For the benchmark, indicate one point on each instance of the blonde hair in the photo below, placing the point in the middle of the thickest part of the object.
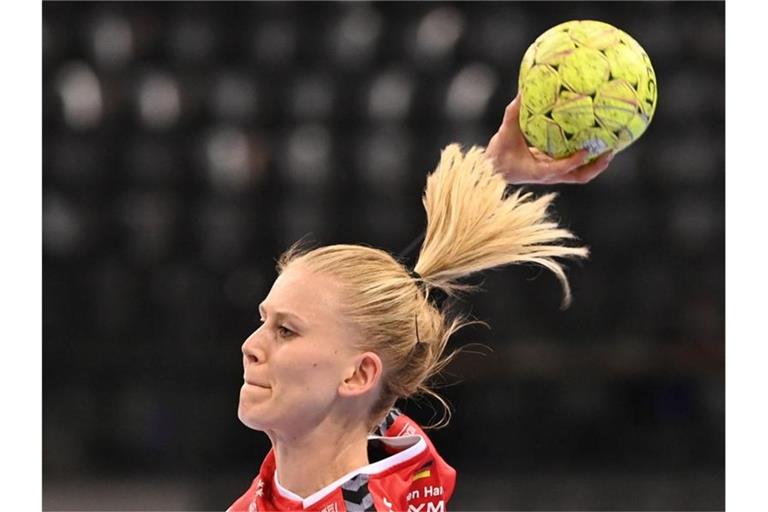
(472, 225)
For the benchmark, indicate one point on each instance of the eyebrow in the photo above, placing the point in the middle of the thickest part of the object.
(286, 314)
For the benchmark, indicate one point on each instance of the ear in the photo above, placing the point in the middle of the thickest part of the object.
(363, 376)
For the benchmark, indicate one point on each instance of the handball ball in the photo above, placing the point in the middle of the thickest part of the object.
(585, 84)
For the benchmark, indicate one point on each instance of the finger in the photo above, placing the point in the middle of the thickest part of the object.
(590, 171)
(569, 164)
(512, 113)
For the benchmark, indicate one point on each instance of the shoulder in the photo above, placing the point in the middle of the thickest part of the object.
(258, 489)
(246, 502)
(422, 479)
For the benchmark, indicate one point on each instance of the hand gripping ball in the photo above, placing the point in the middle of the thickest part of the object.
(585, 84)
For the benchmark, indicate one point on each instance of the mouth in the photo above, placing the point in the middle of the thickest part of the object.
(251, 383)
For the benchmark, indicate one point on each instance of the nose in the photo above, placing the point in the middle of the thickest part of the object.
(253, 348)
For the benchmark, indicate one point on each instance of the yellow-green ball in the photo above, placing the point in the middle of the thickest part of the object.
(585, 84)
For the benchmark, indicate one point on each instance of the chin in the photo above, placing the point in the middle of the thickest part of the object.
(249, 419)
(251, 414)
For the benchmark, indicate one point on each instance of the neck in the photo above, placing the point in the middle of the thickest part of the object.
(312, 460)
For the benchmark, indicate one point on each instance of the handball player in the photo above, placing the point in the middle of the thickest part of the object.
(348, 330)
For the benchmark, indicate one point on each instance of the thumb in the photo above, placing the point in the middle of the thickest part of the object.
(512, 113)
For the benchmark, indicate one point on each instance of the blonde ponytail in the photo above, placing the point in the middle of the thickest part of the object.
(474, 225)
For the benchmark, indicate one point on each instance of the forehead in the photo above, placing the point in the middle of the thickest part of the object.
(313, 297)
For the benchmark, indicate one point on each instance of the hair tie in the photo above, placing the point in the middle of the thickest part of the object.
(415, 275)
(435, 296)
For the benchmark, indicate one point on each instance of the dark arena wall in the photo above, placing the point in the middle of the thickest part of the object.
(187, 144)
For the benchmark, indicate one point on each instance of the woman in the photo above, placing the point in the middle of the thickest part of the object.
(347, 330)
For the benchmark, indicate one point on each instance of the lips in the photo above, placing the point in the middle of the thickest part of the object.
(254, 383)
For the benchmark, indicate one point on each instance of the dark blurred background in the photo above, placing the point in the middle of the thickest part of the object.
(187, 144)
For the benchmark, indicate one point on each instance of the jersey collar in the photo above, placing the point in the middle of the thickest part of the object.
(415, 445)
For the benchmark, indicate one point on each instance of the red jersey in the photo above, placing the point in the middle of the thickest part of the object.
(411, 477)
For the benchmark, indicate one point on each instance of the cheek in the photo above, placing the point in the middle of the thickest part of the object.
(311, 380)
(304, 387)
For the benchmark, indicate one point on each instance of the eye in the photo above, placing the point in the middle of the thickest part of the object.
(285, 332)
(282, 330)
